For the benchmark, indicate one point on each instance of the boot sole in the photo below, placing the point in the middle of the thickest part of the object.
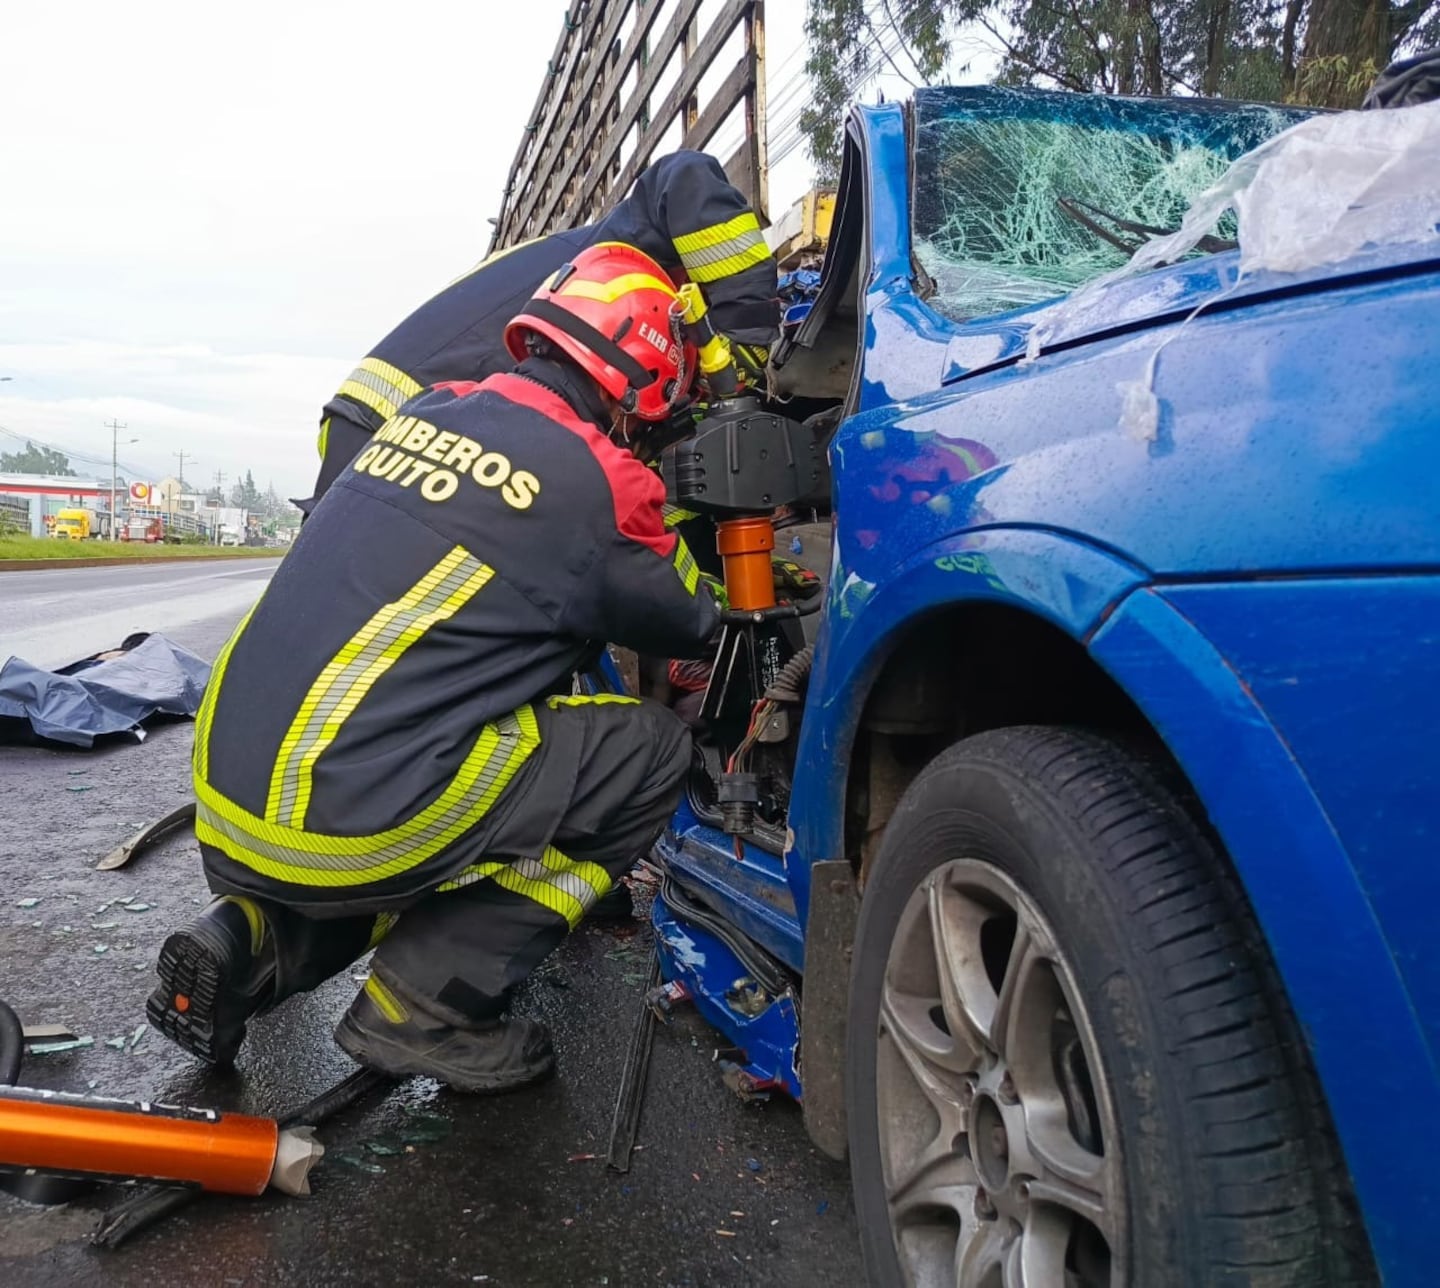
(374, 1052)
(193, 969)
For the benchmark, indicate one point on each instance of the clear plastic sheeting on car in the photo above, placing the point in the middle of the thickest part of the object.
(1021, 197)
(1320, 192)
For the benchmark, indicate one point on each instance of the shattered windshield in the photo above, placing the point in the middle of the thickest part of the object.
(1023, 195)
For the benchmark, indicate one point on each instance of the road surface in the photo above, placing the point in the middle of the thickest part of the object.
(427, 1186)
(55, 616)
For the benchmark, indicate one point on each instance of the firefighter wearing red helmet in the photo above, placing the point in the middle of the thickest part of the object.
(389, 751)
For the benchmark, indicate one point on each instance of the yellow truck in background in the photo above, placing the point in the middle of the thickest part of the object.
(75, 525)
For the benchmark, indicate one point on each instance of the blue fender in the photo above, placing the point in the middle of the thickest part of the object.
(1338, 969)
(1052, 576)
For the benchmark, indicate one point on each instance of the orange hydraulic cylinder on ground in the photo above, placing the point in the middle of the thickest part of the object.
(745, 546)
(53, 1132)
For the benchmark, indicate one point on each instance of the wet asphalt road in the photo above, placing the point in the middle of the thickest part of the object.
(54, 616)
(482, 1191)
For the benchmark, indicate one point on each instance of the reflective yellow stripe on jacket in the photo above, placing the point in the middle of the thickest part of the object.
(353, 671)
(316, 859)
(379, 386)
(723, 249)
(568, 887)
(685, 565)
(277, 845)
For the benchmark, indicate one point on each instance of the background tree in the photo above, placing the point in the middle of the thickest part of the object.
(245, 494)
(36, 460)
(1318, 52)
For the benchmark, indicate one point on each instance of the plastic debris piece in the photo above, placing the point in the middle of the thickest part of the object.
(36, 925)
(117, 1044)
(754, 1164)
(822, 1207)
(727, 1234)
(359, 1164)
(136, 907)
(54, 1048)
(26, 903)
(582, 1158)
(1139, 410)
(737, 1214)
(385, 1148)
(92, 1084)
(140, 1031)
(103, 925)
(75, 773)
(101, 948)
(79, 787)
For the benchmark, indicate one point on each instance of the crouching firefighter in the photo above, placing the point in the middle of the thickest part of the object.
(388, 756)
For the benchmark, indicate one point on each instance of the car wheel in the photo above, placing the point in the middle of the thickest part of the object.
(1070, 1063)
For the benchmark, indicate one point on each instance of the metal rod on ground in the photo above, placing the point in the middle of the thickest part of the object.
(626, 1123)
(146, 1206)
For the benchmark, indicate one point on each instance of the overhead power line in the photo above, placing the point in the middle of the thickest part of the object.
(86, 458)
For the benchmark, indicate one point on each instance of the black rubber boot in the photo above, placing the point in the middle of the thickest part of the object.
(382, 1032)
(214, 975)
(616, 904)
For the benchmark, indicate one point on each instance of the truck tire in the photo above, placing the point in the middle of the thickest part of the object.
(1070, 1061)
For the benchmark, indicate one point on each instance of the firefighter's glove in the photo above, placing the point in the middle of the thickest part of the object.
(717, 589)
(750, 360)
(793, 581)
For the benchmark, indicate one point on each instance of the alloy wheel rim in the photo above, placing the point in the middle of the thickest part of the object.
(999, 1149)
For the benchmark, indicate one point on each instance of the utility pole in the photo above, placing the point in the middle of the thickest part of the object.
(182, 454)
(220, 505)
(115, 426)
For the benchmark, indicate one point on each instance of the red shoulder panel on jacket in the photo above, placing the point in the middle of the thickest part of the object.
(636, 492)
(458, 387)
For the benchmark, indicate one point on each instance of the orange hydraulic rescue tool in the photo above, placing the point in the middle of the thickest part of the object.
(63, 1135)
(58, 1134)
(745, 544)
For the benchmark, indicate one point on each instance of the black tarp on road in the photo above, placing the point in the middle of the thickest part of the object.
(110, 693)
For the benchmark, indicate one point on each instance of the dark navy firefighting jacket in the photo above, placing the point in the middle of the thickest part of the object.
(682, 212)
(377, 700)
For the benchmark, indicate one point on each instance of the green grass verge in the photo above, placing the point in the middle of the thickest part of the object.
(53, 548)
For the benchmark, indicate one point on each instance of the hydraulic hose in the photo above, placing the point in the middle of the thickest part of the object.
(770, 974)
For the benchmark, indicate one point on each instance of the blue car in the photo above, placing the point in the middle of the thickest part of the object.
(1080, 876)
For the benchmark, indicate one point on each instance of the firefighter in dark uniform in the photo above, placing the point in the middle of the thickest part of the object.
(388, 751)
(682, 212)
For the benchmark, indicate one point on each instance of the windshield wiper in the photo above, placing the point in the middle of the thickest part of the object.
(1076, 208)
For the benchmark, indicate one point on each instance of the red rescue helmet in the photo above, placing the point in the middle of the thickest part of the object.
(615, 311)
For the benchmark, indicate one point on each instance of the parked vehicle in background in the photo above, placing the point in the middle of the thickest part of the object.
(1082, 887)
(150, 530)
(76, 525)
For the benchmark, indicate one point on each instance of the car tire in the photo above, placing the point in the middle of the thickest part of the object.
(1069, 1058)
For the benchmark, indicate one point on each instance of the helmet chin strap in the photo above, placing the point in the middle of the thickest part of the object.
(622, 427)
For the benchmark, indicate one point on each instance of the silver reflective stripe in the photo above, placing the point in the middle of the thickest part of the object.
(736, 245)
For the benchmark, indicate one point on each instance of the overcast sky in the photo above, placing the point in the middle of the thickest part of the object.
(208, 214)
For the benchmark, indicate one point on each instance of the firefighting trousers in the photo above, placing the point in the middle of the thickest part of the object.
(593, 798)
